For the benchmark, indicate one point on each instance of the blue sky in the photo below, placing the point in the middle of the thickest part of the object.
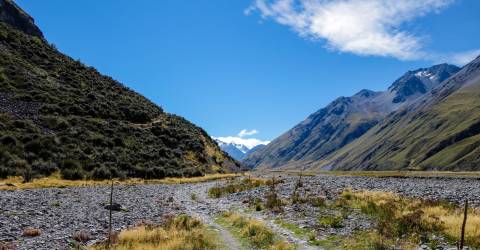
(261, 65)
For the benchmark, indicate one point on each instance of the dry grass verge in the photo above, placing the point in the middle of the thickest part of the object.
(181, 233)
(399, 216)
(398, 174)
(14, 183)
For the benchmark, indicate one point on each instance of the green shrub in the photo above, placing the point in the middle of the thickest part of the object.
(44, 168)
(272, 201)
(4, 172)
(8, 140)
(215, 192)
(193, 196)
(27, 174)
(258, 233)
(317, 201)
(72, 173)
(101, 173)
(184, 222)
(331, 221)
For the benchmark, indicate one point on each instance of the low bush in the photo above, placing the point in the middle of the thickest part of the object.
(331, 221)
(72, 174)
(318, 201)
(82, 236)
(101, 173)
(27, 174)
(258, 233)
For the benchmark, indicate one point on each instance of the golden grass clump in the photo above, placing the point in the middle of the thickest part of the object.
(258, 233)
(281, 245)
(181, 233)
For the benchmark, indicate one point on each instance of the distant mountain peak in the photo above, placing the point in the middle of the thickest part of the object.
(236, 150)
(418, 82)
(12, 15)
(366, 93)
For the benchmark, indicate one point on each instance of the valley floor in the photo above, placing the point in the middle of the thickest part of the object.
(61, 213)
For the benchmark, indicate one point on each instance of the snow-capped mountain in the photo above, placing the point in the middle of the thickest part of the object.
(236, 150)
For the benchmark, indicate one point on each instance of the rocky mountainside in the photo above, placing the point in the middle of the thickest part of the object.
(12, 15)
(346, 119)
(58, 114)
(441, 131)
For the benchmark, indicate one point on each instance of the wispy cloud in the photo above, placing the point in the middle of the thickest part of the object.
(460, 59)
(245, 132)
(362, 27)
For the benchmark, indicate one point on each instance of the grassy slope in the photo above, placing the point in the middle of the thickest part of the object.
(440, 135)
(56, 113)
(325, 132)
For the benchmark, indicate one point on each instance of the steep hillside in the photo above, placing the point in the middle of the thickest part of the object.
(58, 114)
(441, 131)
(344, 120)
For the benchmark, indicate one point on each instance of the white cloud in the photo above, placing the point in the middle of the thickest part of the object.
(245, 132)
(362, 27)
(249, 143)
(240, 139)
(461, 58)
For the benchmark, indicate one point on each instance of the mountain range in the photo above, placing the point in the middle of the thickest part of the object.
(236, 150)
(427, 119)
(56, 114)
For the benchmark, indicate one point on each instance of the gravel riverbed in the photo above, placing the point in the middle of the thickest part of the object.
(61, 212)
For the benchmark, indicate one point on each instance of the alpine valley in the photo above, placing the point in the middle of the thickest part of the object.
(428, 119)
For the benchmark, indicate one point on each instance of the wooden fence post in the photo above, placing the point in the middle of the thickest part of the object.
(110, 217)
(462, 235)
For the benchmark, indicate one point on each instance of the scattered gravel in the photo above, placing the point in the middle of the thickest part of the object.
(60, 213)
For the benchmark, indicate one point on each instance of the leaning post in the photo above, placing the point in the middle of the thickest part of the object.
(110, 216)
(464, 224)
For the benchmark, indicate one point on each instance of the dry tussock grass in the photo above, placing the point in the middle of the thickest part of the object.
(181, 233)
(435, 215)
(56, 181)
(256, 232)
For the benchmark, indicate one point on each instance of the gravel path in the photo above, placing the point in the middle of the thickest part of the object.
(206, 209)
(60, 213)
